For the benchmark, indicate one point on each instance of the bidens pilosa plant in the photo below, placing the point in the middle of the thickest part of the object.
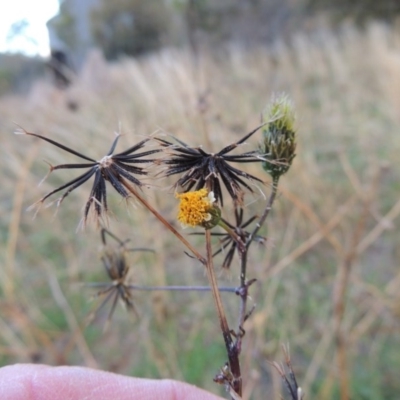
(202, 177)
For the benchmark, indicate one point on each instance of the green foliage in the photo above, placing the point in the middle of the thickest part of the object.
(243, 22)
(209, 16)
(133, 27)
(126, 27)
(65, 26)
(360, 10)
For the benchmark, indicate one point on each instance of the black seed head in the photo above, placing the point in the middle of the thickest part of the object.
(199, 169)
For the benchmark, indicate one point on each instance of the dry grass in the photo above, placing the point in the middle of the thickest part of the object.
(328, 279)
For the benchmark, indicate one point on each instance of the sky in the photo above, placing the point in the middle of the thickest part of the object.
(34, 38)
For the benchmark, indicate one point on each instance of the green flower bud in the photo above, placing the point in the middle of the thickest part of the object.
(215, 216)
(279, 144)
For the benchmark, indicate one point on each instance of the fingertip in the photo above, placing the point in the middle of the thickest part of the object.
(39, 382)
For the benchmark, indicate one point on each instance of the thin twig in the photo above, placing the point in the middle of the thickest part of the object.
(233, 355)
(167, 288)
(244, 285)
(214, 288)
(264, 216)
(340, 290)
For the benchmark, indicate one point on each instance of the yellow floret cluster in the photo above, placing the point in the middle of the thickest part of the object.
(194, 207)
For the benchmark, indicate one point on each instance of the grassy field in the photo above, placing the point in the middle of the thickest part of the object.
(328, 277)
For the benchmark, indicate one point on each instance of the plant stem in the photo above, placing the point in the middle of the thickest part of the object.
(214, 288)
(167, 288)
(232, 350)
(244, 285)
(265, 214)
(233, 355)
(243, 300)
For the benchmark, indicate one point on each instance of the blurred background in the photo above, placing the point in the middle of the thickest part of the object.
(328, 276)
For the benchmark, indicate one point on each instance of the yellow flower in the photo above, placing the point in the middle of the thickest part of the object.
(196, 208)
